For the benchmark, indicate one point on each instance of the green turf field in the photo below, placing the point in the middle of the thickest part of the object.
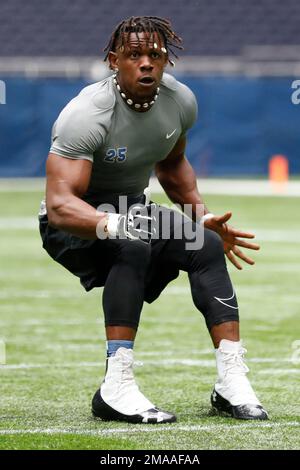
(55, 343)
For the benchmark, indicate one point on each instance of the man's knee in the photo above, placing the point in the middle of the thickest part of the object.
(135, 253)
(213, 242)
(212, 251)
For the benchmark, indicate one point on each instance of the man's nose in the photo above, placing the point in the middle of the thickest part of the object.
(146, 63)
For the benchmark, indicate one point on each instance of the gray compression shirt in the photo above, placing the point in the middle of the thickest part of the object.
(123, 145)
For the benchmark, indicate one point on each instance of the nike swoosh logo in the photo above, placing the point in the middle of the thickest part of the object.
(224, 301)
(170, 135)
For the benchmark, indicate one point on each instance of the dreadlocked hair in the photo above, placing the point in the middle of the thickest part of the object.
(145, 24)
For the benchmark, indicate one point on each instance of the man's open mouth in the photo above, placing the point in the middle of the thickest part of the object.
(147, 80)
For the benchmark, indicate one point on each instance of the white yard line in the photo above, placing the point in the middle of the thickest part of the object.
(146, 362)
(279, 268)
(169, 290)
(17, 185)
(153, 429)
(277, 236)
(279, 371)
(242, 187)
(38, 294)
(262, 235)
(9, 294)
(19, 223)
(37, 322)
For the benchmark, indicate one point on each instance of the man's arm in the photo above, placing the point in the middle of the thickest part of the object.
(67, 181)
(178, 179)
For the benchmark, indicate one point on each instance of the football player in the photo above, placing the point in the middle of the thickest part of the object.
(105, 144)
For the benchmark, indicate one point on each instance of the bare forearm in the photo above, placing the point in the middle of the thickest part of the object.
(180, 184)
(74, 215)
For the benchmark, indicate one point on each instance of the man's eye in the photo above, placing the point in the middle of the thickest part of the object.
(155, 55)
(134, 54)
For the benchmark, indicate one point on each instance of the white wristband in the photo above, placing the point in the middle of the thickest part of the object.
(112, 224)
(205, 217)
(110, 229)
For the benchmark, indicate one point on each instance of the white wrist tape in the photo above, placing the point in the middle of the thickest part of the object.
(112, 224)
(108, 227)
(205, 217)
(147, 194)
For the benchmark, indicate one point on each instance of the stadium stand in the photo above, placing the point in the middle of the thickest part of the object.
(240, 59)
(209, 27)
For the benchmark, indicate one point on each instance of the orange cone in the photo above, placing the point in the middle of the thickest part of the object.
(279, 173)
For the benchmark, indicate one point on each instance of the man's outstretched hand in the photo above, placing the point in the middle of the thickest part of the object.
(232, 239)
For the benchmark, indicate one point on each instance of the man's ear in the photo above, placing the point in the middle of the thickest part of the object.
(113, 60)
(166, 60)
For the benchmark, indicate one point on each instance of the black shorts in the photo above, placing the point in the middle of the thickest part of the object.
(91, 260)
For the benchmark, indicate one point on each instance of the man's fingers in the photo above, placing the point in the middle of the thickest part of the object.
(241, 255)
(250, 246)
(233, 259)
(223, 218)
(239, 233)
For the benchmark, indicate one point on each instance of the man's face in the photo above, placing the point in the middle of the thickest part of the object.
(140, 65)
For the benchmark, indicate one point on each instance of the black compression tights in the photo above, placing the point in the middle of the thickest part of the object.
(123, 293)
(211, 287)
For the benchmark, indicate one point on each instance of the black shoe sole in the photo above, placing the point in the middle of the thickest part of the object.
(224, 408)
(102, 410)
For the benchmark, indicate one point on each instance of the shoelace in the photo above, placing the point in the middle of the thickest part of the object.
(234, 361)
(128, 377)
(235, 379)
(131, 388)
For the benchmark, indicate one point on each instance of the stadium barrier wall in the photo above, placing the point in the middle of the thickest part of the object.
(242, 122)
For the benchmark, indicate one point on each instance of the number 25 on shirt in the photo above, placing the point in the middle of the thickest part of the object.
(115, 155)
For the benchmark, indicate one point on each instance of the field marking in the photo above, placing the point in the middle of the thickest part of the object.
(218, 186)
(36, 322)
(29, 222)
(264, 328)
(39, 294)
(27, 185)
(146, 362)
(151, 429)
(169, 290)
(271, 235)
(279, 371)
(96, 347)
(265, 235)
(19, 223)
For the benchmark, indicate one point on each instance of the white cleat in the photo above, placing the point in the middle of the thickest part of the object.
(233, 393)
(119, 397)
